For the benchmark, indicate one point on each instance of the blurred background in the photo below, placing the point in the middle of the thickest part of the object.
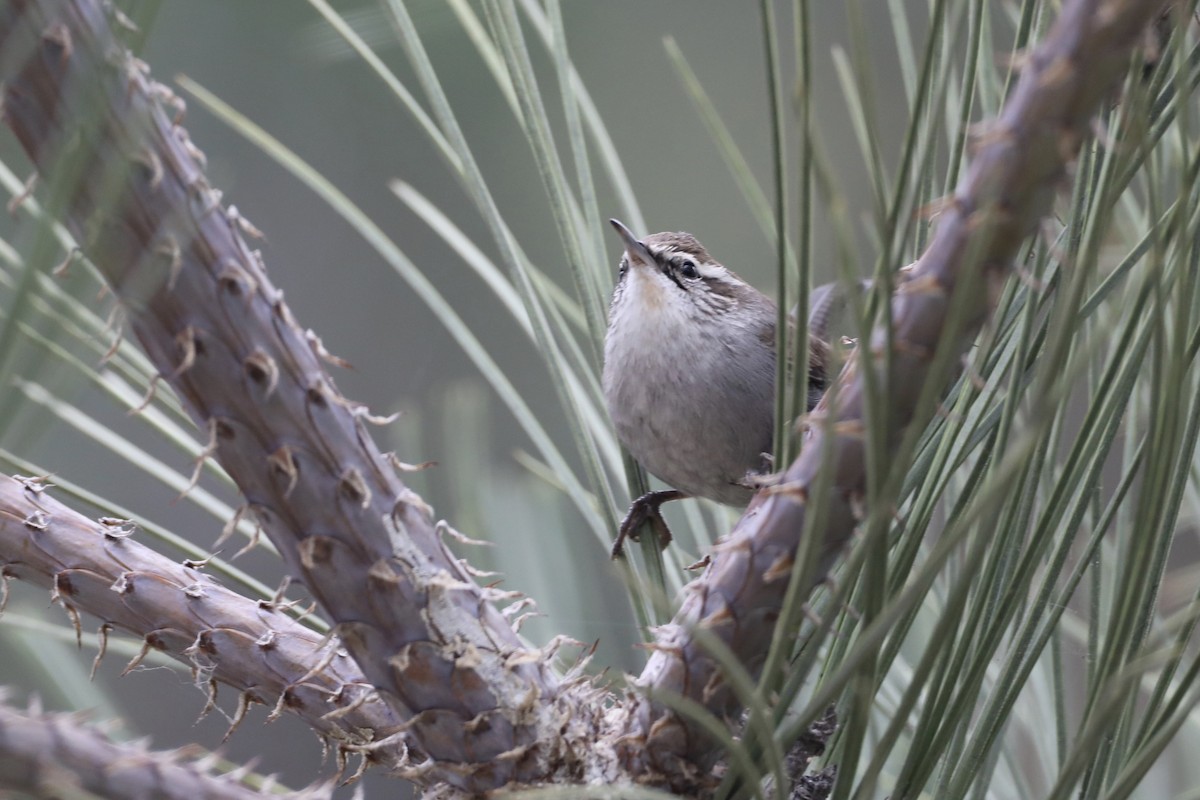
(280, 64)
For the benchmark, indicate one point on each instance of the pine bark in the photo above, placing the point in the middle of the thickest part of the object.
(479, 709)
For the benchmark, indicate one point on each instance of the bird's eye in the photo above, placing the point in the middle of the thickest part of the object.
(688, 268)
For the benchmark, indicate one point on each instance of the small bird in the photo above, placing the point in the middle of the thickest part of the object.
(689, 374)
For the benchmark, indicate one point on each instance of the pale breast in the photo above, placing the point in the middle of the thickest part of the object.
(695, 411)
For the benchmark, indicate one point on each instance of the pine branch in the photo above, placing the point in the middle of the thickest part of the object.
(126, 179)
(486, 710)
(1019, 166)
(57, 755)
(96, 567)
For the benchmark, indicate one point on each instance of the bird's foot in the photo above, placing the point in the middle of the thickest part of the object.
(755, 481)
(764, 477)
(645, 511)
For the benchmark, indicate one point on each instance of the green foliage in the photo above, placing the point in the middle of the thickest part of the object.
(1000, 628)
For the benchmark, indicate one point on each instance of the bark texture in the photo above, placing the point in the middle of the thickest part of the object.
(57, 755)
(97, 567)
(479, 709)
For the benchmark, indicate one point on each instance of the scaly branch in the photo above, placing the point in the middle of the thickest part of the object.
(485, 710)
(57, 755)
(1018, 167)
(96, 566)
(125, 178)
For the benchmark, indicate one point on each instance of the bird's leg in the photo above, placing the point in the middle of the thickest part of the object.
(646, 510)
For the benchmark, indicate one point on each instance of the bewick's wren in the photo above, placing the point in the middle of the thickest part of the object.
(689, 373)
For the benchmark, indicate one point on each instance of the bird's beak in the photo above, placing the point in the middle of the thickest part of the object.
(634, 249)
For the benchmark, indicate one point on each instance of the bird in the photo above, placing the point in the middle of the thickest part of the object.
(689, 373)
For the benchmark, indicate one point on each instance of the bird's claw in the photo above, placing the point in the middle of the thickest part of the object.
(645, 511)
